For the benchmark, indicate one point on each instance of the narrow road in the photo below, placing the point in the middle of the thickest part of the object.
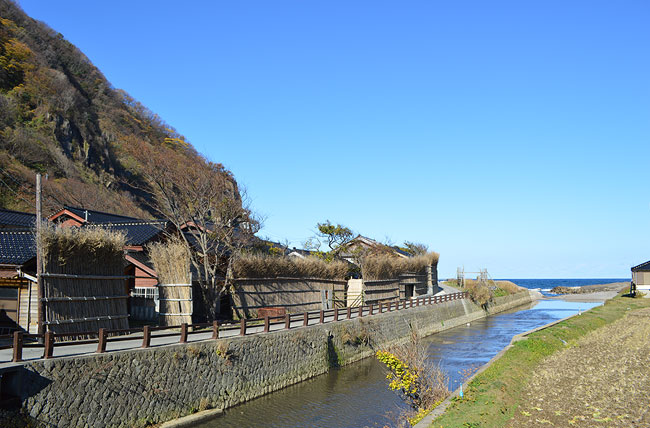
(36, 353)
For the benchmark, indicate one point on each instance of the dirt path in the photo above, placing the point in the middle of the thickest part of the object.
(601, 381)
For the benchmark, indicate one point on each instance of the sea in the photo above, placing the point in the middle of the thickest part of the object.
(545, 285)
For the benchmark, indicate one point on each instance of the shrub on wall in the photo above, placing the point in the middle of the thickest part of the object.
(266, 266)
(388, 266)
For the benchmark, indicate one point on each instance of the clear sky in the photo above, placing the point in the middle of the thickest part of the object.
(512, 136)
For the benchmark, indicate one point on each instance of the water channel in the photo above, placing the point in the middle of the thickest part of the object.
(357, 395)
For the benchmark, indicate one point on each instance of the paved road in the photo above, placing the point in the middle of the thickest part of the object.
(36, 353)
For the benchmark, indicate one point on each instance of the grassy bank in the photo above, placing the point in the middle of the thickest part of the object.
(493, 397)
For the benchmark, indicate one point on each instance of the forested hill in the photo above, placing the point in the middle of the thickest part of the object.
(61, 117)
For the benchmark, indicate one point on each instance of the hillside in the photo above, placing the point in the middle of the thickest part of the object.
(61, 117)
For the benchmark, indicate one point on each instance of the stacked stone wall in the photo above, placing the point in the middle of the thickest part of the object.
(141, 387)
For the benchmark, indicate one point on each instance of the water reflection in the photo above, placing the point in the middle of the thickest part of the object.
(357, 396)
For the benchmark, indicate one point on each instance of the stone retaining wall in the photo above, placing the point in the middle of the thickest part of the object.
(139, 387)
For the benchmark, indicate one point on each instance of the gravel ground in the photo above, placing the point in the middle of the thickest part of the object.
(603, 380)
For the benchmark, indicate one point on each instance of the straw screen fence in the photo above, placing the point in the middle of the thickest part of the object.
(84, 287)
(171, 261)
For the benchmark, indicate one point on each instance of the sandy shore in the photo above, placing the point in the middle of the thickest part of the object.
(594, 293)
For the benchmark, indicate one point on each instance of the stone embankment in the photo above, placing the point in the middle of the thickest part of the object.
(146, 386)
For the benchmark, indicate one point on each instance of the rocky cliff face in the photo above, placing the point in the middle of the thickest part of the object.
(61, 117)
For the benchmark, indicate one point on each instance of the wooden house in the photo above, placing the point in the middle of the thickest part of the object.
(18, 291)
(641, 277)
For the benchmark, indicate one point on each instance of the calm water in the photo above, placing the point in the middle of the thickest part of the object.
(357, 396)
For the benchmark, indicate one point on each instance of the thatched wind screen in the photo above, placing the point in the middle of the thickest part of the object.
(84, 287)
(171, 261)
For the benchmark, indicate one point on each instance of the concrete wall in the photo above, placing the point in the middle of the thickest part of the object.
(133, 388)
(294, 294)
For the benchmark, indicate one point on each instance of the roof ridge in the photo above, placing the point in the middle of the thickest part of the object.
(17, 212)
(68, 207)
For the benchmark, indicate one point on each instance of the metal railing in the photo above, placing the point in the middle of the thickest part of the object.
(245, 326)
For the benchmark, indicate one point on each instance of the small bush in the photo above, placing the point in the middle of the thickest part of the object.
(420, 382)
(479, 292)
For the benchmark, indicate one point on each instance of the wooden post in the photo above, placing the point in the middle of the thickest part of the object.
(305, 319)
(349, 314)
(322, 316)
(146, 336)
(48, 349)
(371, 308)
(39, 259)
(242, 328)
(287, 321)
(101, 344)
(360, 311)
(267, 324)
(183, 333)
(336, 314)
(18, 347)
(215, 329)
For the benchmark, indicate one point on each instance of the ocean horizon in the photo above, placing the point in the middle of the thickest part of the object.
(546, 284)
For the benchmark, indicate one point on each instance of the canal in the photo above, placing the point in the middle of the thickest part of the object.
(357, 395)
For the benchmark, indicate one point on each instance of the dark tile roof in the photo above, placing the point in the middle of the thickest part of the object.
(141, 257)
(642, 267)
(16, 219)
(99, 216)
(138, 232)
(16, 247)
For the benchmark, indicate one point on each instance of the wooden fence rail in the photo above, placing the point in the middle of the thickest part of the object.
(103, 336)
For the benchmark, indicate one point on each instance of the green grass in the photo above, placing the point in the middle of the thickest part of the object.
(492, 397)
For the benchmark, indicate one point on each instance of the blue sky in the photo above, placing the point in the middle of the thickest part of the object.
(511, 136)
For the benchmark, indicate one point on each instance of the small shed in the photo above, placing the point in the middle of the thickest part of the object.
(641, 276)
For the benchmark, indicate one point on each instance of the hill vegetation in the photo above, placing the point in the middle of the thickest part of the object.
(60, 116)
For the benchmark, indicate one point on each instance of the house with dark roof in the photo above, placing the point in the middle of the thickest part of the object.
(361, 244)
(16, 220)
(641, 277)
(74, 216)
(18, 291)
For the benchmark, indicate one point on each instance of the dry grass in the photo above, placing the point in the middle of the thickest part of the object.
(602, 380)
(83, 251)
(508, 287)
(266, 266)
(70, 244)
(171, 261)
(596, 375)
(479, 292)
(387, 266)
(431, 383)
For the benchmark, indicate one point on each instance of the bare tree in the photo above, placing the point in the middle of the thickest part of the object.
(205, 206)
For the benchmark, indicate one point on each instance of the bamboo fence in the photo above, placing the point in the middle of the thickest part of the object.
(84, 287)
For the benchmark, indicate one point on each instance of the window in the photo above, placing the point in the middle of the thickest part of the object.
(146, 292)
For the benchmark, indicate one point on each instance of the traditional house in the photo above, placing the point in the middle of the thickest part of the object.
(18, 291)
(641, 277)
(361, 244)
(74, 216)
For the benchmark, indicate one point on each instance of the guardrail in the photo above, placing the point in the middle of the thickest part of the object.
(244, 326)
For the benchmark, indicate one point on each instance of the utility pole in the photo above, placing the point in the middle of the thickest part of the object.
(39, 257)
